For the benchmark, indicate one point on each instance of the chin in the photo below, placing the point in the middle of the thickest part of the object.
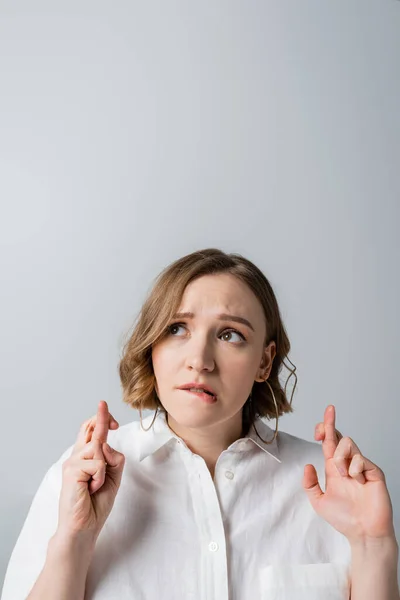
(190, 417)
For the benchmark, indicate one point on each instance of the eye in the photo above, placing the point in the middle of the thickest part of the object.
(224, 332)
(173, 326)
(242, 338)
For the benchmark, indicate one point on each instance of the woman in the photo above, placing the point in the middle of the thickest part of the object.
(203, 499)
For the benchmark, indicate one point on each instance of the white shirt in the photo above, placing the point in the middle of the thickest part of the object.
(174, 533)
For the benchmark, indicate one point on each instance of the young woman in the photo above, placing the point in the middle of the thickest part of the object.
(203, 500)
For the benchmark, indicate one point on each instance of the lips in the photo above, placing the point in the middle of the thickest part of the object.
(206, 388)
(203, 396)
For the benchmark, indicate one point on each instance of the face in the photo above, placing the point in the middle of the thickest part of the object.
(226, 355)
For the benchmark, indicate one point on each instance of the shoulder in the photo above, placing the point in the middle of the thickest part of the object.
(292, 443)
(126, 439)
(296, 450)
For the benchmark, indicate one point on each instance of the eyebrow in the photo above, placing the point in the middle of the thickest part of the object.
(222, 317)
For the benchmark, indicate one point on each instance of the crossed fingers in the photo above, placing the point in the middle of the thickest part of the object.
(346, 455)
(96, 428)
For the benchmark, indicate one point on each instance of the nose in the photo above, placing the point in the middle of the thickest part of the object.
(199, 356)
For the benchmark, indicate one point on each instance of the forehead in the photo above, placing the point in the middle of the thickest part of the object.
(221, 292)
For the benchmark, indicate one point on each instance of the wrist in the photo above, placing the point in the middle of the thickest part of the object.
(370, 546)
(78, 545)
(374, 569)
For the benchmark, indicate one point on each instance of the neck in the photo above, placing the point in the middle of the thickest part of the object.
(209, 441)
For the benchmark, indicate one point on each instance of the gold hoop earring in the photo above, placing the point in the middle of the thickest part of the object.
(154, 418)
(277, 416)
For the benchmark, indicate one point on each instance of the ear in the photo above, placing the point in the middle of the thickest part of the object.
(267, 359)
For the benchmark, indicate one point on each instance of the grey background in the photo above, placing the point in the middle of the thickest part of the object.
(135, 132)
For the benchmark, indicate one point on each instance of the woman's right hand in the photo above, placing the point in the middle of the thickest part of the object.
(91, 479)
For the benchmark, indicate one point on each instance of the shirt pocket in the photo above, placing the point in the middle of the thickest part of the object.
(330, 581)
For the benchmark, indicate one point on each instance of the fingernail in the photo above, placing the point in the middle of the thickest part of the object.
(109, 448)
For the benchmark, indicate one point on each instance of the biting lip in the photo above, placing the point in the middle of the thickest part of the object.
(206, 388)
(202, 396)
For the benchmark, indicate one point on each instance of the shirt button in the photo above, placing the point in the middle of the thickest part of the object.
(242, 445)
(229, 475)
(213, 546)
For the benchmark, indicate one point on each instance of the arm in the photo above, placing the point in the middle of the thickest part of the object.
(63, 576)
(374, 570)
(32, 545)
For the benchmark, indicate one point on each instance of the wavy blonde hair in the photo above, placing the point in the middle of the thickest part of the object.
(136, 368)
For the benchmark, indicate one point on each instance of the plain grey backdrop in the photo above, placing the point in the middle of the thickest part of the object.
(132, 133)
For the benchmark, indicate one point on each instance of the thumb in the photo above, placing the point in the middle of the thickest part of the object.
(115, 463)
(311, 485)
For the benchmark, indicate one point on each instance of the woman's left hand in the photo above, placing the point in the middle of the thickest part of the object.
(357, 502)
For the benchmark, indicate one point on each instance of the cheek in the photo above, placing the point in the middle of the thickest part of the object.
(162, 361)
(239, 371)
(245, 362)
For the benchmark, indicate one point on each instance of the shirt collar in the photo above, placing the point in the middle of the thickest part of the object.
(160, 434)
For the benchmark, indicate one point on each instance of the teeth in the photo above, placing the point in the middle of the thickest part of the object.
(199, 390)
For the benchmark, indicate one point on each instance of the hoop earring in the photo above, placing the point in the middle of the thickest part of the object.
(154, 418)
(277, 416)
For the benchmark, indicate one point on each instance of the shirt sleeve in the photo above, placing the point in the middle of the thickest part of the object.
(29, 554)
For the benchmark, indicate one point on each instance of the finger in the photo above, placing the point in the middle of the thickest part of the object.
(330, 441)
(356, 468)
(344, 454)
(362, 469)
(112, 460)
(92, 449)
(311, 485)
(89, 471)
(86, 431)
(84, 435)
(319, 433)
(115, 463)
(93, 452)
(100, 431)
